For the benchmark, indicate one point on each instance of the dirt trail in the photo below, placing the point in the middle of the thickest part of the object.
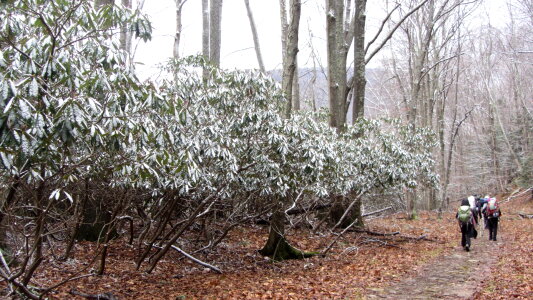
(456, 275)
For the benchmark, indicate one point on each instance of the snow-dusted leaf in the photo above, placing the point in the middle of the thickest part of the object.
(34, 88)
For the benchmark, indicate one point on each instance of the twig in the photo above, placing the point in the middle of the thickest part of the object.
(335, 240)
(47, 290)
(22, 288)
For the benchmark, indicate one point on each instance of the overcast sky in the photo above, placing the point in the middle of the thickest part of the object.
(237, 44)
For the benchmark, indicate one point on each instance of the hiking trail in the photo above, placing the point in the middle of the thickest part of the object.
(455, 275)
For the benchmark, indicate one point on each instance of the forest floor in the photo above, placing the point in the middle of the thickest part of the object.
(423, 261)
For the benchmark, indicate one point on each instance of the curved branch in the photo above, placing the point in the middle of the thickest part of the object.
(389, 36)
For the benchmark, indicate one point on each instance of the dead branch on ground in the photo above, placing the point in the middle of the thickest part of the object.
(104, 296)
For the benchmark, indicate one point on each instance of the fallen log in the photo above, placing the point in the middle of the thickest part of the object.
(376, 211)
(525, 216)
(369, 232)
(383, 243)
(104, 296)
(194, 259)
(418, 238)
(217, 270)
(519, 194)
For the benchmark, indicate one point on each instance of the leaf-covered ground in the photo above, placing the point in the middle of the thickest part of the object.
(360, 266)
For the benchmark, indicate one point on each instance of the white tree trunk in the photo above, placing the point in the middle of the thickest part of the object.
(125, 32)
(215, 31)
(255, 37)
(205, 34)
(177, 35)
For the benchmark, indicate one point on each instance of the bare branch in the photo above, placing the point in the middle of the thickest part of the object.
(389, 36)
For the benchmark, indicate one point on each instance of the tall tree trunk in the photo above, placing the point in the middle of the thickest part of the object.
(215, 34)
(494, 150)
(291, 53)
(205, 35)
(337, 51)
(177, 35)
(359, 82)
(125, 32)
(296, 106)
(440, 125)
(340, 34)
(255, 37)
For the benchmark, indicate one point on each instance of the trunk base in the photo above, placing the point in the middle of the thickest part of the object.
(277, 246)
(283, 250)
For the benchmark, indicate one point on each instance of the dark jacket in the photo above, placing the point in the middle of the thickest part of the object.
(465, 202)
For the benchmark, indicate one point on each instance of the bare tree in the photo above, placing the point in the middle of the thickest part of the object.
(255, 37)
(359, 81)
(205, 34)
(432, 40)
(339, 38)
(125, 33)
(342, 26)
(215, 31)
(177, 35)
(290, 52)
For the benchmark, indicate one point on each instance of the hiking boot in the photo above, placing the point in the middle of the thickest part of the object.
(494, 239)
(467, 248)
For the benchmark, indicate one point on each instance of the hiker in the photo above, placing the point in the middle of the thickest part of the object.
(478, 205)
(492, 215)
(472, 203)
(481, 209)
(467, 220)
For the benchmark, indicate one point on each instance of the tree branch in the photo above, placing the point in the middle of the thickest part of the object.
(389, 36)
(217, 270)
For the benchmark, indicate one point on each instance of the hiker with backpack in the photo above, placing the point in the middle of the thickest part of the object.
(492, 215)
(467, 219)
(481, 204)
